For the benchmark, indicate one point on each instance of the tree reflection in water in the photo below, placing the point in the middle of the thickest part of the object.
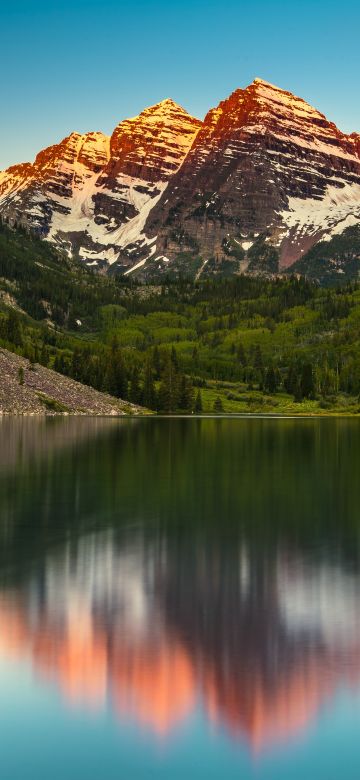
(157, 566)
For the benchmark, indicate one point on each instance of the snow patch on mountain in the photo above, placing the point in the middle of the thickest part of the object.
(339, 208)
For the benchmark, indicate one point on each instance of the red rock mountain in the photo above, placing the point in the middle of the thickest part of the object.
(252, 188)
(91, 194)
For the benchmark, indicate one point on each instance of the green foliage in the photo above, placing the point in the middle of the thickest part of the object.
(218, 406)
(198, 407)
(51, 404)
(263, 257)
(257, 344)
(332, 261)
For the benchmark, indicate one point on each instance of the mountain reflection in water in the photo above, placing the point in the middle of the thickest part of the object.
(236, 606)
(260, 641)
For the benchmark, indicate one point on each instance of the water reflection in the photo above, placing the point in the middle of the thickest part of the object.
(155, 625)
(160, 568)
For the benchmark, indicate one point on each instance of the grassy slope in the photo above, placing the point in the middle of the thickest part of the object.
(255, 402)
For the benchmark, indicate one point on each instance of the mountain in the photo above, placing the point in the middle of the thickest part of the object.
(252, 189)
(264, 682)
(91, 194)
(267, 177)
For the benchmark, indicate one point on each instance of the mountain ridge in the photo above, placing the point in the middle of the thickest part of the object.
(251, 188)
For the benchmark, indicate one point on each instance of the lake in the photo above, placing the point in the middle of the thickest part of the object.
(179, 598)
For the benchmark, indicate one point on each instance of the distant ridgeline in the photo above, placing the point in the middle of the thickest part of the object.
(258, 186)
(233, 344)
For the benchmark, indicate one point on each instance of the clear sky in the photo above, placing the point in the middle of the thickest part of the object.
(85, 65)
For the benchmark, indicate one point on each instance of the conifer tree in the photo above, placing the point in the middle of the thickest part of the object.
(116, 377)
(307, 383)
(186, 393)
(135, 392)
(156, 362)
(270, 382)
(241, 355)
(198, 407)
(174, 358)
(258, 359)
(291, 380)
(149, 391)
(169, 387)
(218, 405)
(14, 333)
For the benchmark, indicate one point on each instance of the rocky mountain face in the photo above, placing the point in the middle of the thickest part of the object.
(47, 193)
(91, 194)
(267, 177)
(251, 189)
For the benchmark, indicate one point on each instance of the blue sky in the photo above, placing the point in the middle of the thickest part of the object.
(85, 65)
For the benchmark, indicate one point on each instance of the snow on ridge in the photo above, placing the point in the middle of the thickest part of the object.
(350, 221)
(80, 218)
(141, 262)
(339, 206)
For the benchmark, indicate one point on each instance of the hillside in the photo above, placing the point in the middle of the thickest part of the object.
(33, 389)
(241, 344)
(334, 261)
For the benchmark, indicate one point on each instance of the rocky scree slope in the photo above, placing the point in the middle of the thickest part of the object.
(39, 390)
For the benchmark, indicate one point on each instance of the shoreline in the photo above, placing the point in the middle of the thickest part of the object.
(174, 416)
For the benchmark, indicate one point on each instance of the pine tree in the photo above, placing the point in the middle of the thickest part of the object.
(259, 366)
(241, 355)
(198, 407)
(148, 391)
(258, 359)
(270, 383)
(195, 358)
(116, 377)
(44, 355)
(186, 393)
(218, 405)
(135, 392)
(169, 387)
(156, 362)
(77, 364)
(13, 330)
(307, 383)
(291, 380)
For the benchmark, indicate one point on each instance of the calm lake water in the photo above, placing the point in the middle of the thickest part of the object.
(179, 599)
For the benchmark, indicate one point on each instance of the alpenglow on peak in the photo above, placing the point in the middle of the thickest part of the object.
(250, 189)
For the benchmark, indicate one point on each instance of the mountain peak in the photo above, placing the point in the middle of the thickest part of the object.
(264, 83)
(167, 102)
(268, 158)
(167, 108)
(272, 95)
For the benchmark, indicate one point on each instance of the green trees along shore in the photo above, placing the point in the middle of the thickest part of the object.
(238, 344)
